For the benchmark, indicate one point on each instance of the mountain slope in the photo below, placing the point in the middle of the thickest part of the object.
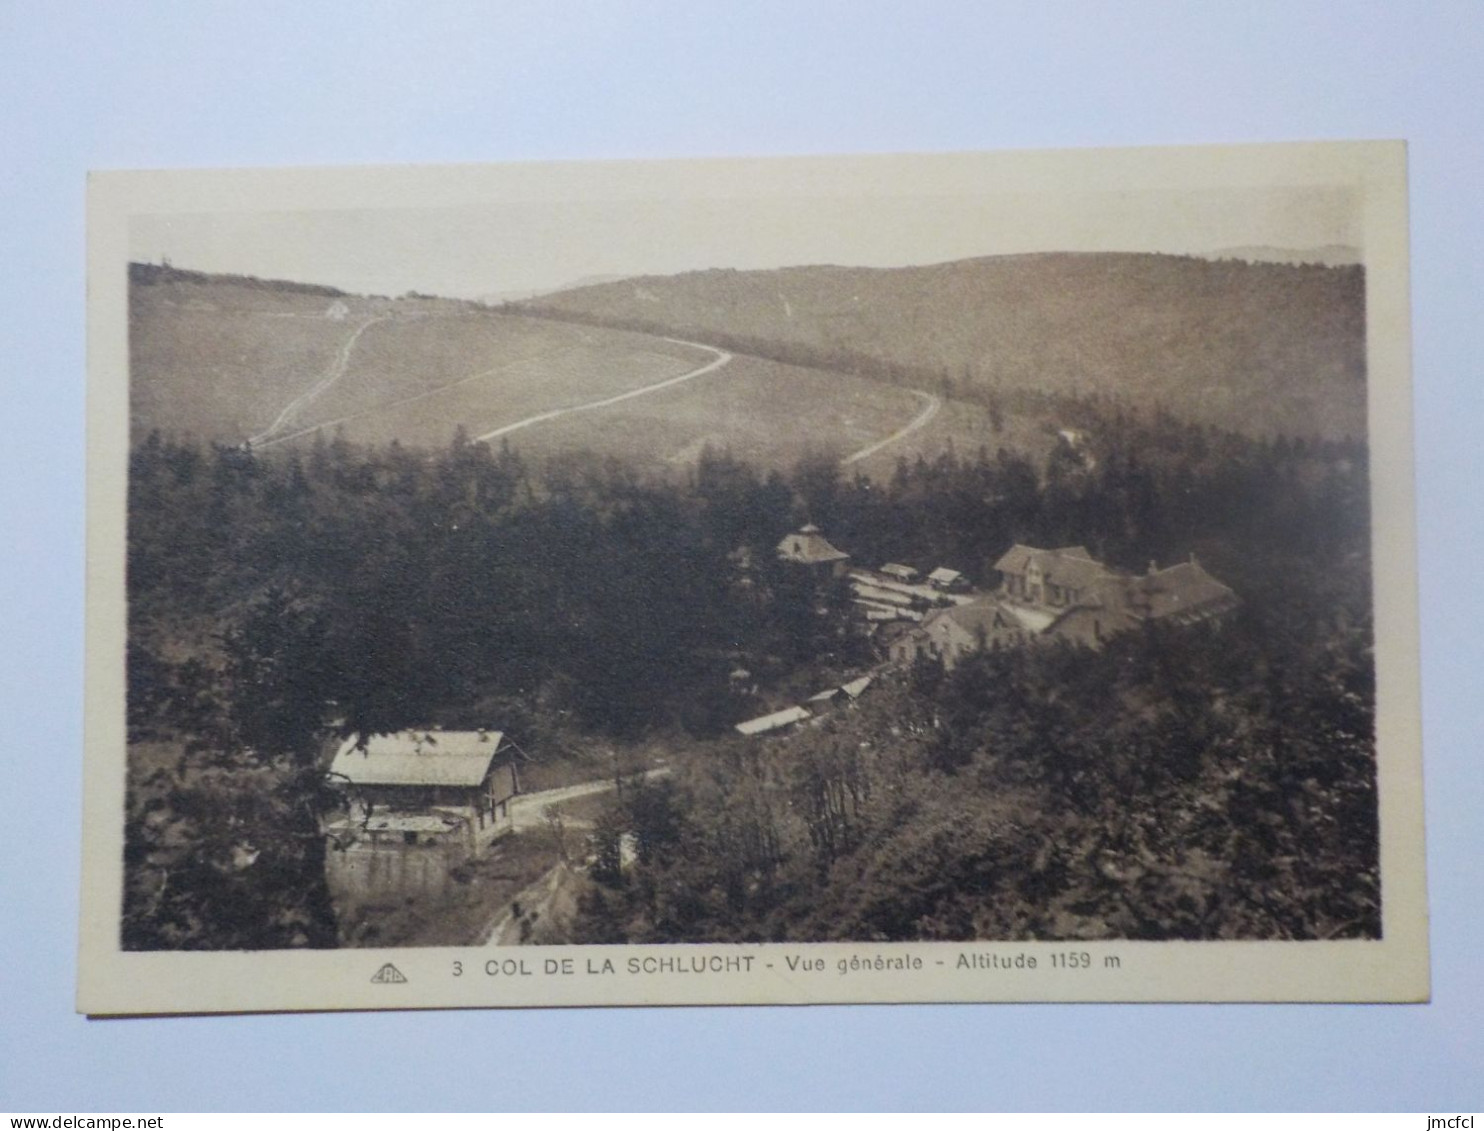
(1259, 347)
(230, 359)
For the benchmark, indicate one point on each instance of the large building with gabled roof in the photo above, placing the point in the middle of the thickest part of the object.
(949, 634)
(1088, 601)
(1180, 594)
(1052, 578)
(418, 804)
(465, 778)
(1066, 594)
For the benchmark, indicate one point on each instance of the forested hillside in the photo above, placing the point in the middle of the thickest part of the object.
(596, 577)
(1208, 784)
(1204, 785)
(1262, 348)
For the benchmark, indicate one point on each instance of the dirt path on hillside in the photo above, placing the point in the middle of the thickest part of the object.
(336, 371)
(721, 358)
(934, 403)
(537, 902)
(530, 906)
(437, 390)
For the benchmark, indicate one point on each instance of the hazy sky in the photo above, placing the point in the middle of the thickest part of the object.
(473, 250)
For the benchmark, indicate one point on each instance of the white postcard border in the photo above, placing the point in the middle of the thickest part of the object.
(1393, 968)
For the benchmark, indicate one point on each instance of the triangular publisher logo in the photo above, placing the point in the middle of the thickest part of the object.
(388, 974)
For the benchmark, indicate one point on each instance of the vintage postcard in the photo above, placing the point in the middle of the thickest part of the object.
(968, 577)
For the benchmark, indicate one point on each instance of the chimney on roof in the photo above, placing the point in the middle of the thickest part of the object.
(1153, 569)
(1192, 558)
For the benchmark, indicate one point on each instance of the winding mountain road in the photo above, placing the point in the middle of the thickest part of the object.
(335, 371)
(721, 358)
(533, 901)
(528, 811)
(933, 405)
(275, 434)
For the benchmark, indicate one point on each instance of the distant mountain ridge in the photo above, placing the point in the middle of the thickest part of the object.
(1260, 347)
(495, 298)
(159, 274)
(1330, 255)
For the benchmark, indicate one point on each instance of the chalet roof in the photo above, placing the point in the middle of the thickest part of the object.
(809, 546)
(776, 721)
(1178, 590)
(1069, 566)
(975, 616)
(1073, 572)
(944, 576)
(1018, 556)
(439, 757)
(898, 570)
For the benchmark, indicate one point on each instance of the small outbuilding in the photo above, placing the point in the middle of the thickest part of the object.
(947, 580)
(808, 547)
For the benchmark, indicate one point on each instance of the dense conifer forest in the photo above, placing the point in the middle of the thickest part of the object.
(1199, 783)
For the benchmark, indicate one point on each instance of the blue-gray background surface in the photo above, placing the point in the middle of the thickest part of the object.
(100, 85)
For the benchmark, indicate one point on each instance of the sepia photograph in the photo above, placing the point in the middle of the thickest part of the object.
(958, 577)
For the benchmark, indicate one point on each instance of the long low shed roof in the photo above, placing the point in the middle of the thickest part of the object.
(777, 719)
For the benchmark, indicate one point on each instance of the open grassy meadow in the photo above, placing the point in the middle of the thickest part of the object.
(219, 361)
(419, 382)
(227, 360)
(760, 411)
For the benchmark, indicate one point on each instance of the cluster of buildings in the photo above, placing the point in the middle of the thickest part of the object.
(421, 802)
(894, 592)
(1065, 594)
(1043, 594)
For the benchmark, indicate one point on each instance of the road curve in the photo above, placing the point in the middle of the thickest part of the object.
(504, 928)
(933, 405)
(721, 358)
(329, 377)
(436, 390)
(528, 811)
